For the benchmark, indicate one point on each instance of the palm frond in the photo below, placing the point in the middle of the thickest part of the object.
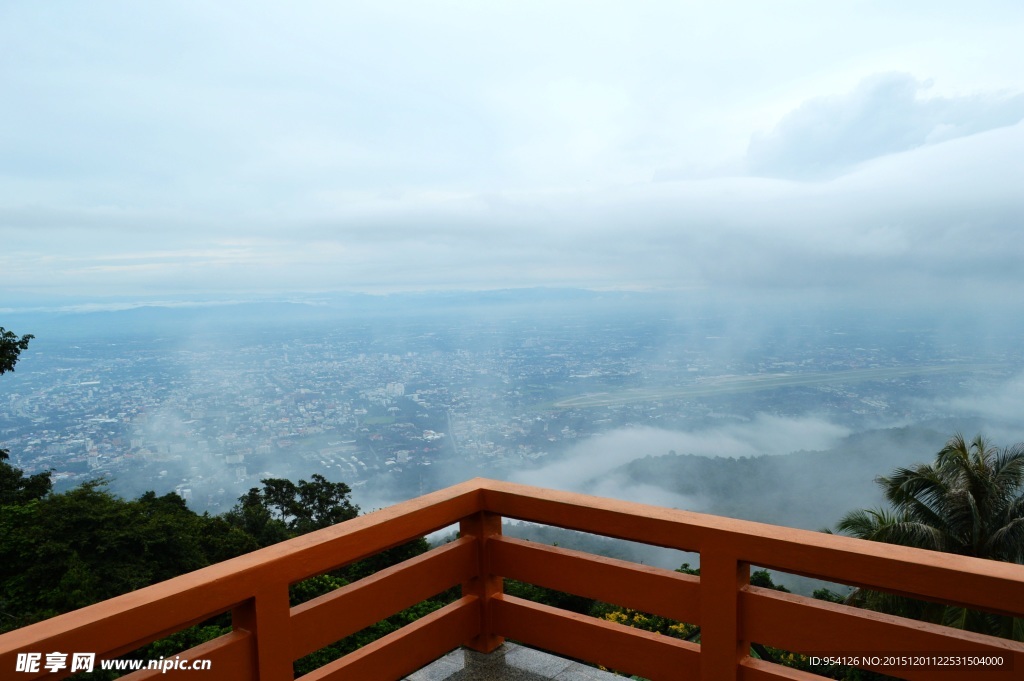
(955, 453)
(976, 621)
(1008, 471)
(1007, 543)
(969, 501)
(918, 485)
(1017, 629)
(882, 525)
(914, 534)
(866, 523)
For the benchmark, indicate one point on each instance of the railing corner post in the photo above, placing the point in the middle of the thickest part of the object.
(485, 585)
(266, 618)
(722, 576)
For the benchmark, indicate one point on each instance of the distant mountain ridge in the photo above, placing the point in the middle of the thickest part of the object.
(809, 490)
(183, 316)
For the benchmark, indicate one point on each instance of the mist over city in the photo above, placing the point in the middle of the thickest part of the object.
(768, 416)
(733, 259)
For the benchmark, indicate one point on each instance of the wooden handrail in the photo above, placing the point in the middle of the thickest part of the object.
(240, 585)
(730, 609)
(269, 635)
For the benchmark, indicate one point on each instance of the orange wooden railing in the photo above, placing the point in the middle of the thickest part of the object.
(268, 635)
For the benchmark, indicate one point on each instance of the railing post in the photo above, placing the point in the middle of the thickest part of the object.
(485, 585)
(721, 647)
(266, 617)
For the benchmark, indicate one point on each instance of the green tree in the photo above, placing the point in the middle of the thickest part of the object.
(69, 550)
(252, 516)
(18, 488)
(10, 347)
(15, 486)
(969, 501)
(282, 508)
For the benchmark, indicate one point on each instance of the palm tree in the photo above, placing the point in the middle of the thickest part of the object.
(970, 501)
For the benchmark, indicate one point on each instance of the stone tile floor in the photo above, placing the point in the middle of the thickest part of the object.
(510, 662)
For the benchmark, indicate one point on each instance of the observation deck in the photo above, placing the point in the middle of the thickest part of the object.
(269, 634)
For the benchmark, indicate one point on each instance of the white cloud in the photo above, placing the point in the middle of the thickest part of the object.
(1000, 406)
(590, 466)
(884, 114)
(464, 146)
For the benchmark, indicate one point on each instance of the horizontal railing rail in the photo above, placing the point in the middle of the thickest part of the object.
(269, 635)
(254, 588)
(732, 613)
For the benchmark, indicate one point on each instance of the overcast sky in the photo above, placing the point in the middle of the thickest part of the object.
(863, 149)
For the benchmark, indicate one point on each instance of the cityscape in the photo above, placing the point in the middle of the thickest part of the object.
(398, 406)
